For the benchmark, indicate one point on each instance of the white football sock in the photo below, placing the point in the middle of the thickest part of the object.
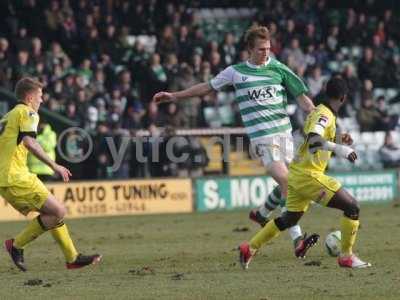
(295, 232)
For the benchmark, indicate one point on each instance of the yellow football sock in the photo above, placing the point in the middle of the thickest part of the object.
(267, 233)
(349, 229)
(31, 232)
(62, 237)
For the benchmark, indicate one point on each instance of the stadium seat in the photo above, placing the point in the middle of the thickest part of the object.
(211, 117)
(367, 138)
(346, 124)
(222, 97)
(232, 13)
(379, 138)
(355, 134)
(391, 93)
(345, 51)
(206, 13)
(333, 66)
(356, 52)
(337, 164)
(226, 114)
(378, 92)
(219, 13)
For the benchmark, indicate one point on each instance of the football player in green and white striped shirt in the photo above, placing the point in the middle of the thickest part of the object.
(261, 85)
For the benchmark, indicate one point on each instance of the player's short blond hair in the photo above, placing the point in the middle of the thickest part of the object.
(25, 86)
(256, 32)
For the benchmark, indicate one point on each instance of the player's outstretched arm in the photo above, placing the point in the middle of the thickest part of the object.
(34, 147)
(305, 103)
(197, 90)
(317, 142)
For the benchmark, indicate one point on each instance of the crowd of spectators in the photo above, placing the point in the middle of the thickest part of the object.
(95, 75)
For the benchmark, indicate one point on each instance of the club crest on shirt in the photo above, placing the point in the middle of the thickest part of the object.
(244, 78)
(323, 121)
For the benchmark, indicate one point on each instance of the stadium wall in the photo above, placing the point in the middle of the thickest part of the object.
(226, 193)
(156, 196)
(122, 197)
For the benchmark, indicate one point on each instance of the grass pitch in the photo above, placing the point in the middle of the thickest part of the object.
(193, 256)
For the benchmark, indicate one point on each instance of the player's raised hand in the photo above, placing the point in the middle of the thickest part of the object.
(352, 157)
(347, 139)
(64, 172)
(161, 97)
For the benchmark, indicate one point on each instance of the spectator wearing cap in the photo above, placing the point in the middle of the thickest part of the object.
(134, 116)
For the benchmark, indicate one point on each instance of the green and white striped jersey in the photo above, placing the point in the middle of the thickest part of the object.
(261, 93)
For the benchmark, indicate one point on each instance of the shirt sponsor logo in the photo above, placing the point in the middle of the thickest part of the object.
(263, 93)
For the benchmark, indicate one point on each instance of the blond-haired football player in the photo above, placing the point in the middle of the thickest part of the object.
(261, 86)
(307, 181)
(22, 189)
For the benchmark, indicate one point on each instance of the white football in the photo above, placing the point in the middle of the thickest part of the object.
(333, 243)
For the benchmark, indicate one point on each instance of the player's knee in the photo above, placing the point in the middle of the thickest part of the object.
(286, 221)
(282, 180)
(60, 213)
(353, 210)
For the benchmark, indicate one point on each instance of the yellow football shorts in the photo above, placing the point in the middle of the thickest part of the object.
(26, 196)
(304, 188)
